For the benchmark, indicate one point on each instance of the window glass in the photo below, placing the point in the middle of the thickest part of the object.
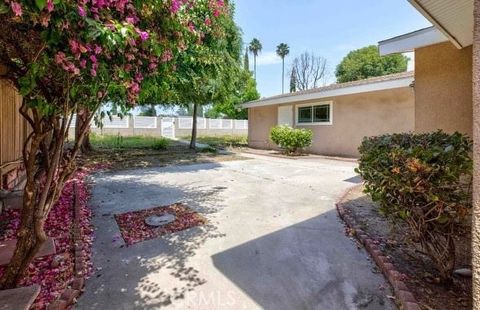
(305, 115)
(321, 113)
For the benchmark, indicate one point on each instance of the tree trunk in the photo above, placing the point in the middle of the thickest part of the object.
(82, 116)
(193, 140)
(283, 75)
(47, 168)
(476, 159)
(30, 238)
(255, 67)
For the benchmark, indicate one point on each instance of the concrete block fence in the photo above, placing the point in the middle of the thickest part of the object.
(169, 127)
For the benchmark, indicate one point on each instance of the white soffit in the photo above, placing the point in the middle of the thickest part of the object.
(454, 18)
(410, 41)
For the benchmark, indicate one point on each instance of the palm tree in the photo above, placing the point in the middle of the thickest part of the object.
(282, 51)
(255, 47)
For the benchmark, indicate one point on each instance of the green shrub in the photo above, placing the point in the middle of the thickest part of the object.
(291, 139)
(160, 144)
(423, 179)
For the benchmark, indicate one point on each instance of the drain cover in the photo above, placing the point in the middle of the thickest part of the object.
(159, 220)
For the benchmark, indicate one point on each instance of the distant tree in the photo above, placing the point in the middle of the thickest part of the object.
(207, 74)
(307, 71)
(293, 81)
(255, 47)
(283, 50)
(245, 91)
(148, 110)
(246, 62)
(366, 62)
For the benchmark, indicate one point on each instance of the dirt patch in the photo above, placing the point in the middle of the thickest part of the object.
(407, 257)
(134, 229)
(176, 154)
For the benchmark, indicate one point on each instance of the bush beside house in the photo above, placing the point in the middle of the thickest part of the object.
(423, 179)
(291, 139)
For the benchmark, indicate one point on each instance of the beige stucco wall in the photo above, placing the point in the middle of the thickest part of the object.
(443, 88)
(260, 120)
(354, 117)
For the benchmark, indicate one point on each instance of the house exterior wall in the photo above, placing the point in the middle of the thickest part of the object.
(354, 117)
(260, 121)
(443, 88)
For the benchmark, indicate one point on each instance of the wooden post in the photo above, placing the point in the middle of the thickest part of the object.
(476, 158)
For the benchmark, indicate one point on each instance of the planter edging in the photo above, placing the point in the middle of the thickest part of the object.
(69, 295)
(402, 292)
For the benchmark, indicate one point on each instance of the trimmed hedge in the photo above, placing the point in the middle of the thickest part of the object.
(423, 179)
(291, 139)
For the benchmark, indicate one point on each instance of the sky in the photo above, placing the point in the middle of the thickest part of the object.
(326, 28)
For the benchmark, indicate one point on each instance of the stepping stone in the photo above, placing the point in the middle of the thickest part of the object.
(12, 200)
(8, 247)
(20, 298)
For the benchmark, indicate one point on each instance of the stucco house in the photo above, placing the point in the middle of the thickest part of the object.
(443, 79)
(437, 95)
(339, 115)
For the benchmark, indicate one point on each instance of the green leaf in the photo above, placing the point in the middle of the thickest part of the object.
(41, 4)
(3, 8)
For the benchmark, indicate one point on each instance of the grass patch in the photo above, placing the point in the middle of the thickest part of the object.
(222, 141)
(133, 142)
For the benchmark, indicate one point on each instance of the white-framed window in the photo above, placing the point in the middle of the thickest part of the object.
(314, 113)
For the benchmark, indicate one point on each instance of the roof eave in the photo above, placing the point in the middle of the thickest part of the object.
(357, 89)
(410, 41)
(439, 14)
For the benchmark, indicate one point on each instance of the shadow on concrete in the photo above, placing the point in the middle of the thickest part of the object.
(304, 266)
(123, 275)
(355, 180)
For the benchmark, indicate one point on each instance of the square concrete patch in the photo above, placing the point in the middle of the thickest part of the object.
(19, 298)
(8, 247)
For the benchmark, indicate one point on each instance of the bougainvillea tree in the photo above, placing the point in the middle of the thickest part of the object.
(69, 55)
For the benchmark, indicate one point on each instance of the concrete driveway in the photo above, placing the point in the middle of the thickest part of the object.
(274, 240)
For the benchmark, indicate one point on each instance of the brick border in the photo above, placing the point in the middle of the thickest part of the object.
(69, 295)
(403, 294)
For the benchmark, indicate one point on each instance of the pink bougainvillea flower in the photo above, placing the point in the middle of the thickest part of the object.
(83, 63)
(143, 35)
(59, 57)
(74, 46)
(16, 8)
(97, 49)
(208, 22)
(216, 13)
(132, 20)
(166, 56)
(50, 5)
(175, 6)
(81, 11)
(93, 72)
(152, 66)
(93, 58)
